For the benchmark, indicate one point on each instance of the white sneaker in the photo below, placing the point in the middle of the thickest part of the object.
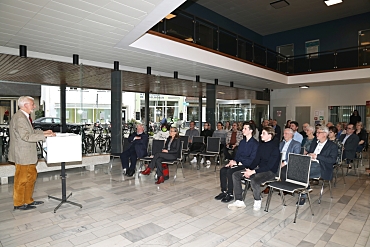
(257, 205)
(236, 205)
(208, 162)
(194, 160)
(124, 171)
(202, 161)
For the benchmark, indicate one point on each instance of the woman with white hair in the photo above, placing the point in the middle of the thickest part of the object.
(308, 140)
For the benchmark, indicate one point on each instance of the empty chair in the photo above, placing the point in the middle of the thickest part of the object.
(196, 147)
(212, 149)
(297, 180)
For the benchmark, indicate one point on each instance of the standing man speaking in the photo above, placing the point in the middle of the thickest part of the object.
(22, 151)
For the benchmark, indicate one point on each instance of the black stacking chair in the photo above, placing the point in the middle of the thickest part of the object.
(302, 150)
(185, 146)
(157, 146)
(177, 162)
(197, 139)
(247, 181)
(297, 180)
(336, 169)
(213, 149)
(126, 145)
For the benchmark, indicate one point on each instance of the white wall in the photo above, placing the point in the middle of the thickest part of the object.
(320, 98)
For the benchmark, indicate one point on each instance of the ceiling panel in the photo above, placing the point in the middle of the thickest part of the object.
(81, 5)
(24, 6)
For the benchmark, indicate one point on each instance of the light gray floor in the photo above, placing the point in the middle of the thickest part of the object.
(121, 211)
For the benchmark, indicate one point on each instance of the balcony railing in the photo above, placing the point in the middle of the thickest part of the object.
(195, 30)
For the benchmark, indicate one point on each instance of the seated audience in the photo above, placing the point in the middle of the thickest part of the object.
(306, 143)
(333, 131)
(245, 155)
(294, 126)
(169, 153)
(262, 169)
(138, 148)
(233, 139)
(256, 133)
(324, 155)
(350, 143)
(340, 129)
(265, 123)
(287, 125)
(277, 130)
(163, 134)
(354, 118)
(227, 126)
(361, 133)
(206, 132)
(304, 127)
(192, 131)
(287, 146)
(220, 132)
(329, 124)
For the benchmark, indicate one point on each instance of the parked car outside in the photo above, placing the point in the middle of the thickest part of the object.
(54, 124)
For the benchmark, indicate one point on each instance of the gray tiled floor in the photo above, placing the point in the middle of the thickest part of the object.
(121, 211)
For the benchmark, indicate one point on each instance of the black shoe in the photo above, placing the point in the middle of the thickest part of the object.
(221, 196)
(24, 207)
(130, 173)
(227, 198)
(349, 167)
(35, 203)
(301, 202)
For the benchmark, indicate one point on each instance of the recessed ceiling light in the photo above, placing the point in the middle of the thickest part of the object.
(304, 86)
(170, 16)
(332, 2)
(279, 4)
(221, 92)
(189, 39)
(13, 71)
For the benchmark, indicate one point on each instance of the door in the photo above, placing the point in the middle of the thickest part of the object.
(302, 115)
(279, 113)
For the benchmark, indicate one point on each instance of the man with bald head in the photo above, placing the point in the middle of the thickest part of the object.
(138, 149)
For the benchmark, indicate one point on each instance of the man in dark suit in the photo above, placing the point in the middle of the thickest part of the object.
(350, 142)
(287, 146)
(138, 149)
(324, 155)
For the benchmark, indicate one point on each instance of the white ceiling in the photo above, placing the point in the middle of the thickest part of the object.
(260, 17)
(100, 31)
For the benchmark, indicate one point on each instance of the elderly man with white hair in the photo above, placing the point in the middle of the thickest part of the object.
(324, 155)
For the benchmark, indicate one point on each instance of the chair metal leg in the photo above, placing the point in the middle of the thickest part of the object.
(336, 175)
(331, 195)
(309, 201)
(246, 187)
(282, 196)
(321, 191)
(297, 207)
(344, 180)
(267, 206)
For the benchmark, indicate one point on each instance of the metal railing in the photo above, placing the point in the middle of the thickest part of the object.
(204, 33)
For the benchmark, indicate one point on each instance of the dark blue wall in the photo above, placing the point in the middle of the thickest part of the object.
(335, 34)
(209, 15)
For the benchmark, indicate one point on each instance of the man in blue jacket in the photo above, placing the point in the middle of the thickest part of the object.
(138, 149)
(244, 157)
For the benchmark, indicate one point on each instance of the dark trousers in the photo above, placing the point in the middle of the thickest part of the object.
(158, 159)
(226, 178)
(228, 155)
(256, 180)
(129, 154)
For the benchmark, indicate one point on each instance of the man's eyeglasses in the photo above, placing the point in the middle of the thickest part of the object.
(319, 132)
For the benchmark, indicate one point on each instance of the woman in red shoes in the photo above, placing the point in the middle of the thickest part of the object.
(169, 153)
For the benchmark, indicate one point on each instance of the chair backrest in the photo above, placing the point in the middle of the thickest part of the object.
(126, 144)
(213, 144)
(298, 169)
(157, 146)
(279, 169)
(302, 150)
(198, 139)
(185, 140)
(179, 153)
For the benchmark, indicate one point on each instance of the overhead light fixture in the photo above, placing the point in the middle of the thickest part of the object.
(116, 65)
(332, 2)
(13, 71)
(23, 51)
(221, 92)
(279, 4)
(189, 39)
(170, 16)
(304, 86)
